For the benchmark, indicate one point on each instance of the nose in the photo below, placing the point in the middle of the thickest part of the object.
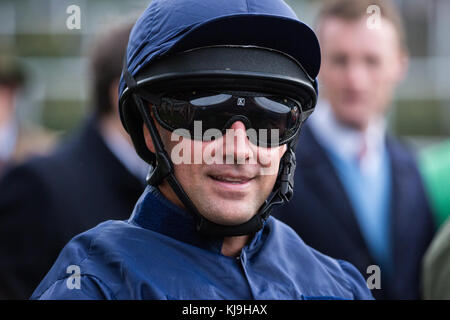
(356, 76)
(237, 145)
(238, 125)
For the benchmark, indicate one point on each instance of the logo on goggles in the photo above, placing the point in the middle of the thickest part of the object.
(241, 102)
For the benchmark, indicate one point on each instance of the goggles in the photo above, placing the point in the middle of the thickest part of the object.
(270, 120)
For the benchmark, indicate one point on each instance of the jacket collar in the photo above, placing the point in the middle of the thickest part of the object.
(155, 212)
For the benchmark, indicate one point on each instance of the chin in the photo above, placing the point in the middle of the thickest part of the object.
(353, 120)
(356, 124)
(230, 215)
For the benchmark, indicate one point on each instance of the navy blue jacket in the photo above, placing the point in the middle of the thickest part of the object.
(48, 200)
(321, 213)
(157, 254)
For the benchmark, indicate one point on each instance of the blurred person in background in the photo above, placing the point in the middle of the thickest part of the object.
(436, 266)
(18, 140)
(95, 176)
(359, 195)
(435, 168)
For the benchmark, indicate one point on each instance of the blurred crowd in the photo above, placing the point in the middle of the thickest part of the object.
(360, 194)
(18, 141)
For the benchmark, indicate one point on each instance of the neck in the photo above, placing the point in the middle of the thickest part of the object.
(232, 246)
(359, 127)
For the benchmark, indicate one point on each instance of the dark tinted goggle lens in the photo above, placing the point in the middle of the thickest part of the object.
(270, 120)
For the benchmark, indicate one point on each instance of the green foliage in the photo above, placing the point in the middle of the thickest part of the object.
(48, 45)
(62, 115)
(419, 118)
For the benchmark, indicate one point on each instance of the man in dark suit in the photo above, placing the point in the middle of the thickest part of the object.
(95, 176)
(19, 140)
(358, 194)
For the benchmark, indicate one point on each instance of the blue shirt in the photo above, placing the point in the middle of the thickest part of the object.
(367, 182)
(371, 200)
(157, 254)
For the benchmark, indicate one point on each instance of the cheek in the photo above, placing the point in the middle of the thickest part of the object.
(183, 150)
(269, 160)
(266, 156)
(190, 175)
(330, 76)
(186, 174)
(179, 151)
(383, 85)
(331, 82)
(388, 73)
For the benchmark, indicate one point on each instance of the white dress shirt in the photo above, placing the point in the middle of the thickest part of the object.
(347, 142)
(8, 139)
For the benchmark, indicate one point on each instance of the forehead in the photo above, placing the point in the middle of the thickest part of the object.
(336, 34)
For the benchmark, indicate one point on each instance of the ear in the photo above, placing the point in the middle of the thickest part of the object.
(403, 66)
(114, 96)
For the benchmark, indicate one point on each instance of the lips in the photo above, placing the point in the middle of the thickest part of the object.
(231, 186)
(231, 179)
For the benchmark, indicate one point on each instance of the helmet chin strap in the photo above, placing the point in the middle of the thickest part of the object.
(164, 169)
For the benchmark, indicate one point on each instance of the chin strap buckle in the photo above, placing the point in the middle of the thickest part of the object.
(287, 175)
(162, 169)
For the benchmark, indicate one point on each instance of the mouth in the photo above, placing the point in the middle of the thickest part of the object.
(231, 186)
(237, 180)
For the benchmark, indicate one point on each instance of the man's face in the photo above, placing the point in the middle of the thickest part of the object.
(229, 192)
(360, 68)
